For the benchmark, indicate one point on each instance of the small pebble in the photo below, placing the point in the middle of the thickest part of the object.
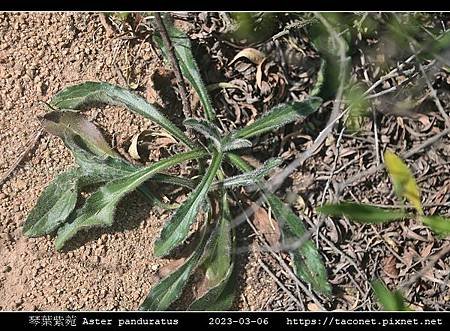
(6, 269)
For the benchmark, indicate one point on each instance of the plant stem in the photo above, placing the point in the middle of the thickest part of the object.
(175, 65)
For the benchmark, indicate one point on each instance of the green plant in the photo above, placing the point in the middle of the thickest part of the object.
(391, 301)
(405, 187)
(100, 166)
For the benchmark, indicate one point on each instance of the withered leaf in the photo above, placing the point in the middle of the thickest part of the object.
(251, 54)
(266, 226)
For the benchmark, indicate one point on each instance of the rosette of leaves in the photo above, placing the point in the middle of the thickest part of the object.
(100, 166)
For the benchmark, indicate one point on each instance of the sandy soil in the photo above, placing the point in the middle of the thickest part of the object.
(103, 270)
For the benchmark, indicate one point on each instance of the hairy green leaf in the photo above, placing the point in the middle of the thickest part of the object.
(170, 288)
(391, 301)
(218, 263)
(174, 180)
(80, 95)
(97, 168)
(177, 227)
(439, 224)
(308, 264)
(100, 206)
(362, 213)
(226, 297)
(207, 129)
(189, 69)
(251, 177)
(236, 144)
(54, 205)
(278, 116)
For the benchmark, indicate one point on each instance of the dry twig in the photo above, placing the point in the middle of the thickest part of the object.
(29, 146)
(175, 65)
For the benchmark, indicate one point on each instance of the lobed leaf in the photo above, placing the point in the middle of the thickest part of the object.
(279, 115)
(308, 264)
(77, 96)
(405, 185)
(183, 51)
(362, 213)
(177, 227)
(100, 206)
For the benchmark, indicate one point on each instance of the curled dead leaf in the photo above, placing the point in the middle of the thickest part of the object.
(222, 85)
(71, 124)
(136, 142)
(259, 74)
(251, 54)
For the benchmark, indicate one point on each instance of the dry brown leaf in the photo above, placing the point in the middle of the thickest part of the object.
(389, 266)
(267, 226)
(408, 256)
(136, 141)
(426, 251)
(313, 307)
(251, 54)
(170, 267)
(164, 141)
(259, 74)
(202, 286)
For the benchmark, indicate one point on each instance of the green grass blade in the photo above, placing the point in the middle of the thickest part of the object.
(177, 227)
(362, 213)
(80, 95)
(100, 206)
(189, 69)
(279, 116)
